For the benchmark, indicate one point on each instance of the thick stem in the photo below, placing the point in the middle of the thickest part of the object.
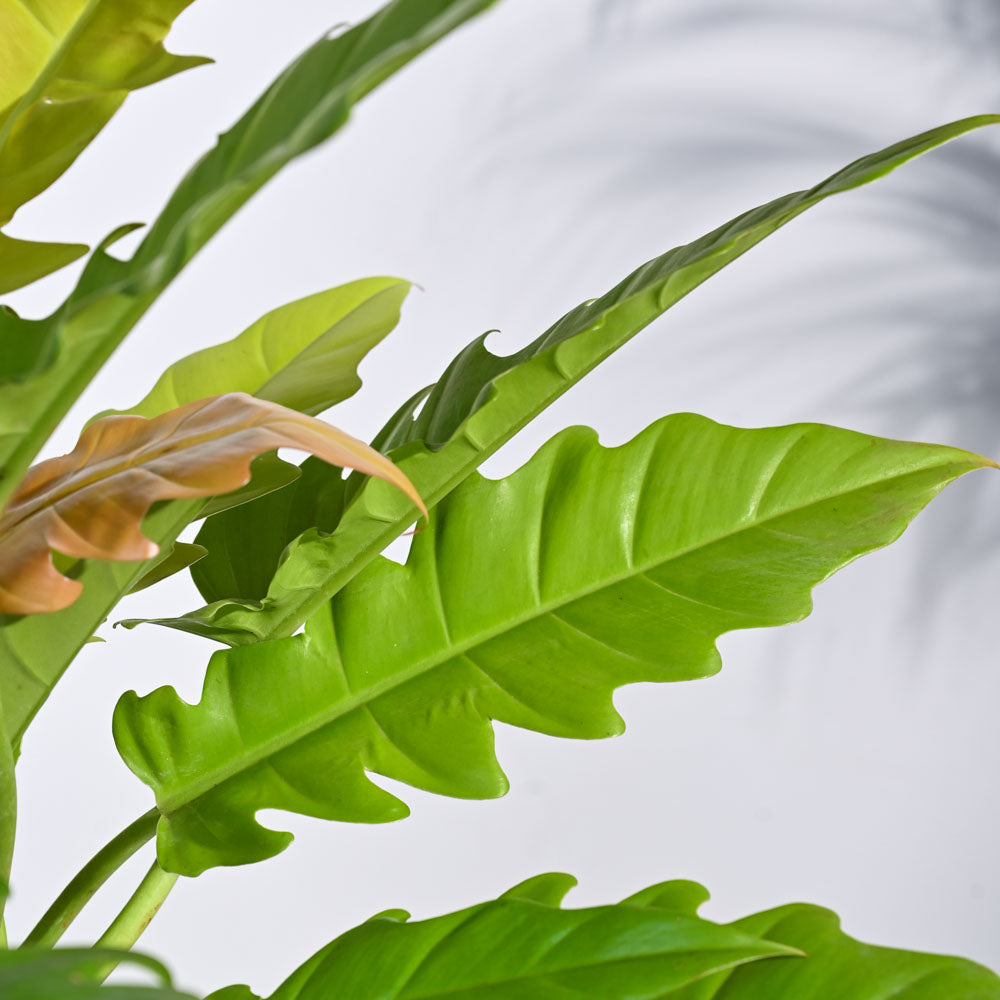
(136, 914)
(90, 878)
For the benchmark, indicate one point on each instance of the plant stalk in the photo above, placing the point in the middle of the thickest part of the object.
(137, 913)
(90, 878)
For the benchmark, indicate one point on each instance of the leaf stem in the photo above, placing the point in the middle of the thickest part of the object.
(8, 821)
(137, 913)
(90, 878)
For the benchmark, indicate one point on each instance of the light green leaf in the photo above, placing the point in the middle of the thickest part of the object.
(25, 261)
(305, 105)
(482, 400)
(304, 355)
(516, 948)
(76, 974)
(836, 965)
(650, 946)
(526, 601)
(65, 68)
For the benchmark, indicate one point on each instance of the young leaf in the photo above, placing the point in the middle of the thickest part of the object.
(650, 946)
(305, 105)
(528, 601)
(89, 504)
(482, 400)
(65, 69)
(303, 355)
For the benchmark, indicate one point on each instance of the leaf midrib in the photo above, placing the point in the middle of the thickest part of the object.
(209, 781)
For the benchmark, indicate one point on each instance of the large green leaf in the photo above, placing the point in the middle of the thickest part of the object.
(56, 357)
(838, 966)
(482, 400)
(304, 353)
(77, 974)
(524, 945)
(66, 66)
(652, 945)
(528, 601)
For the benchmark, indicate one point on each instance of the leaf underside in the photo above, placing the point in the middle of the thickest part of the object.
(652, 945)
(482, 400)
(527, 601)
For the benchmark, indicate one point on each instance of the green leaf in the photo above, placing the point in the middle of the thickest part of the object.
(34, 652)
(838, 966)
(304, 355)
(526, 601)
(245, 544)
(306, 104)
(482, 400)
(180, 556)
(65, 69)
(518, 947)
(650, 946)
(267, 474)
(76, 974)
(25, 261)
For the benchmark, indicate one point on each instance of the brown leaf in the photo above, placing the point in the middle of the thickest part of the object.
(91, 502)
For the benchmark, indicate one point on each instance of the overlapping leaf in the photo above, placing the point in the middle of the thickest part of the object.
(65, 69)
(650, 946)
(528, 601)
(275, 356)
(90, 503)
(482, 400)
(306, 104)
(77, 974)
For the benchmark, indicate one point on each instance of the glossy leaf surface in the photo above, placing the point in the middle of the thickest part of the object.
(521, 947)
(650, 946)
(482, 400)
(90, 503)
(310, 101)
(527, 601)
(65, 69)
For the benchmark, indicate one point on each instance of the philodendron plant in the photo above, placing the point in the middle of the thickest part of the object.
(601, 566)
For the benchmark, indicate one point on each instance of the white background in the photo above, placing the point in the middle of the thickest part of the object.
(527, 163)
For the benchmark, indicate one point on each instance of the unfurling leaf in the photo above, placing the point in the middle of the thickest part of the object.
(89, 504)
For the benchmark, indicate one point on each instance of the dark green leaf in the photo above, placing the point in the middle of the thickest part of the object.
(483, 400)
(179, 556)
(527, 601)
